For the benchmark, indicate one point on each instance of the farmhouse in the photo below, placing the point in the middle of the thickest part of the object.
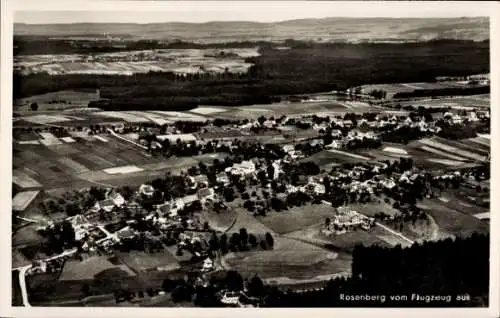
(347, 220)
(206, 194)
(106, 205)
(244, 168)
(314, 188)
(208, 265)
(116, 197)
(201, 180)
(223, 178)
(146, 190)
(230, 298)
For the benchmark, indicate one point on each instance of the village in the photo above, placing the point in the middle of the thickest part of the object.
(172, 214)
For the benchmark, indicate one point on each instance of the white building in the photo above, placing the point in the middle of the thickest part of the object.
(208, 265)
(244, 168)
(147, 190)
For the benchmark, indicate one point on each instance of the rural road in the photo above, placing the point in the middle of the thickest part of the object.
(23, 270)
(394, 232)
(22, 283)
(125, 139)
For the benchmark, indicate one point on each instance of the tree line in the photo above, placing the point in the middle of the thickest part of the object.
(300, 70)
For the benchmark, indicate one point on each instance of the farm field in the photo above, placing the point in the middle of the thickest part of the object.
(290, 109)
(57, 100)
(453, 222)
(245, 220)
(344, 242)
(140, 261)
(89, 268)
(455, 202)
(169, 60)
(92, 161)
(289, 258)
(458, 102)
(297, 218)
(391, 89)
(220, 221)
(371, 208)
(439, 153)
(333, 156)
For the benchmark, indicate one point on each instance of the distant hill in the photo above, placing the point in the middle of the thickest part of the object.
(328, 29)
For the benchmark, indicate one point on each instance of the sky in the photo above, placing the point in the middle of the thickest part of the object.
(44, 11)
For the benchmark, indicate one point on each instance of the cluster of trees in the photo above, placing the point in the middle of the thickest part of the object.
(72, 203)
(450, 91)
(462, 131)
(240, 241)
(33, 45)
(378, 93)
(364, 143)
(57, 238)
(403, 135)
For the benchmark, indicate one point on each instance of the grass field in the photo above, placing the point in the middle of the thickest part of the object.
(297, 218)
(445, 147)
(289, 258)
(245, 220)
(451, 221)
(89, 268)
(371, 208)
(56, 101)
(329, 157)
(140, 261)
(472, 101)
(219, 221)
(344, 242)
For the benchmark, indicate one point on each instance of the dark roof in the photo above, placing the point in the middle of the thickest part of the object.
(205, 192)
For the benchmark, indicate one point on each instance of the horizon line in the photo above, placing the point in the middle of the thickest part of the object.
(255, 21)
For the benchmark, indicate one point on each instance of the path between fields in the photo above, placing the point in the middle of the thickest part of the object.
(394, 232)
(125, 139)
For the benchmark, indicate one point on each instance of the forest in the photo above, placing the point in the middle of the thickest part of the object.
(448, 267)
(451, 91)
(304, 68)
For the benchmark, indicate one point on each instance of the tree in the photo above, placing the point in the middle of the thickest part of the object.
(243, 237)
(327, 222)
(256, 287)
(214, 243)
(73, 209)
(269, 239)
(263, 245)
(223, 243)
(228, 194)
(34, 106)
(86, 290)
(233, 281)
(252, 239)
(181, 293)
(67, 233)
(127, 192)
(234, 241)
(167, 285)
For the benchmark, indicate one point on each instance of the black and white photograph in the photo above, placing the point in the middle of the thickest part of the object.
(225, 155)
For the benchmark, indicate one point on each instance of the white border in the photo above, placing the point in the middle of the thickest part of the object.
(242, 9)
